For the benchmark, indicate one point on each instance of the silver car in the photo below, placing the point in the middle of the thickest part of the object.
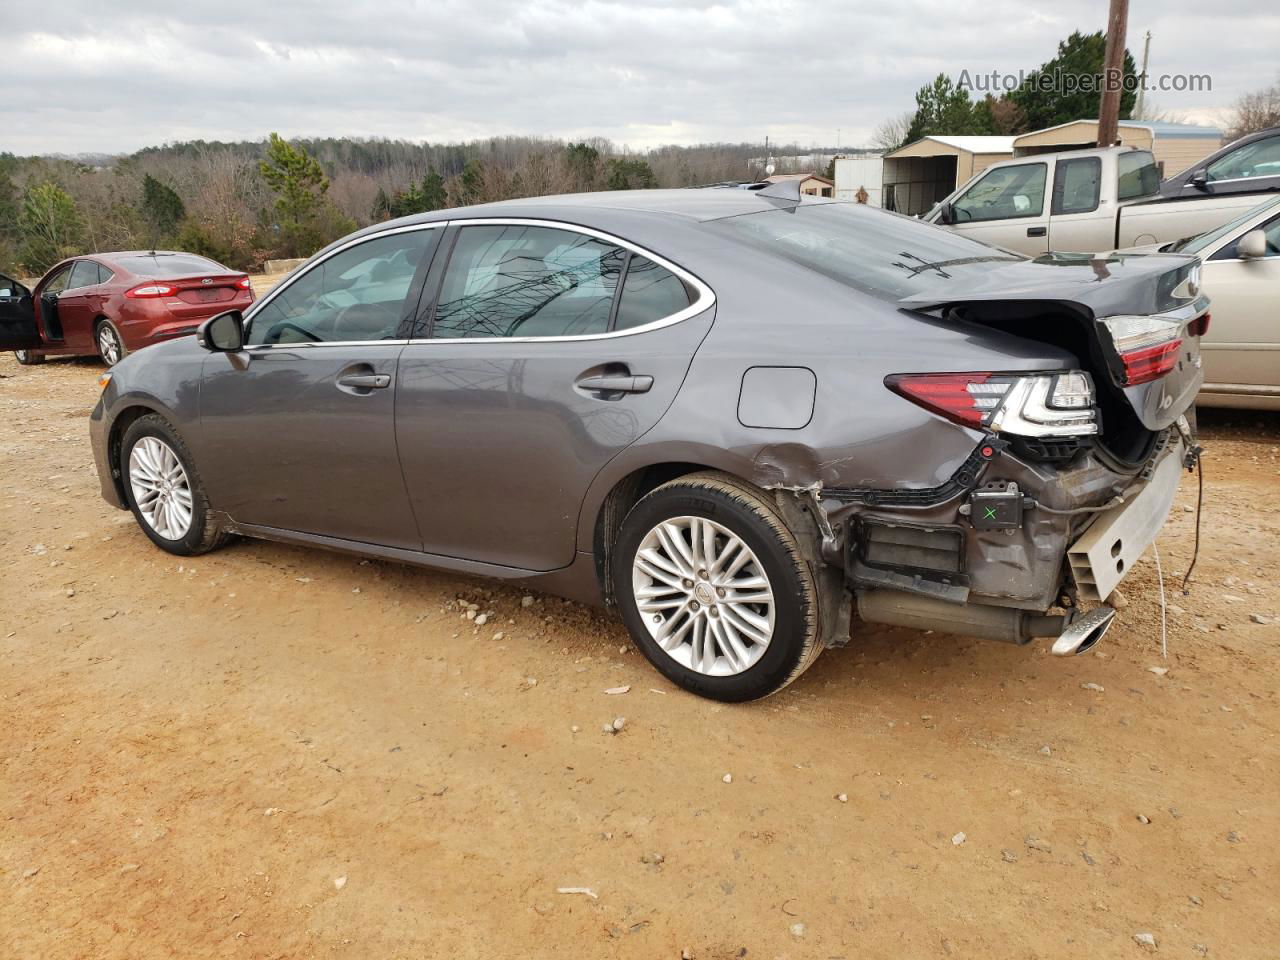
(729, 414)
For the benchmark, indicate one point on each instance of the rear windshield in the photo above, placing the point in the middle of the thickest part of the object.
(1138, 175)
(881, 253)
(170, 265)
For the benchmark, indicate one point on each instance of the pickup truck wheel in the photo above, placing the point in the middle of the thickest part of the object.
(164, 491)
(714, 589)
(27, 358)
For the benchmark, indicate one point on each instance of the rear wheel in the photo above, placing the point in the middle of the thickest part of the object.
(27, 358)
(164, 490)
(715, 590)
(111, 346)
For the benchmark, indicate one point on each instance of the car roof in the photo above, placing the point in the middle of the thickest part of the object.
(692, 204)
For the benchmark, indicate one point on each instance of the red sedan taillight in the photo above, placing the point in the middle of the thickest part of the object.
(243, 283)
(150, 291)
(1148, 346)
(1028, 405)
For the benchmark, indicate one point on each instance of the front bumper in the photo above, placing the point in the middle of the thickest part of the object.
(99, 436)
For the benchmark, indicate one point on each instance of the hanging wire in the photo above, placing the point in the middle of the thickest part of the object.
(1195, 554)
(1164, 613)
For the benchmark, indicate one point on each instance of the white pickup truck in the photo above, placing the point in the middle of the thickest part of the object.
(1079, 201)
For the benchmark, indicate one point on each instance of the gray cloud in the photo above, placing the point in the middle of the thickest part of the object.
(640, 73)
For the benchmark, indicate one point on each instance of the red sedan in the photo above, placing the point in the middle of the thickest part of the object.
(111, 304)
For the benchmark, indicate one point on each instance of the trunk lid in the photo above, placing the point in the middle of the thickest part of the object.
(199, 290)
(1066, 299)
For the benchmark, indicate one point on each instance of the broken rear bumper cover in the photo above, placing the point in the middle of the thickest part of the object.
(1008, 529)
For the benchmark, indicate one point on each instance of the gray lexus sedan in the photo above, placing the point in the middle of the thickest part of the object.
(734, 414)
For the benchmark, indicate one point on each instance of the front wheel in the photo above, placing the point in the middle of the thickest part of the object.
(27, 358)
(715, 590)
(111, 346)
(164, 490)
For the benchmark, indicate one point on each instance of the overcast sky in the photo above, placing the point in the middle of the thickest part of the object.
(80, 76)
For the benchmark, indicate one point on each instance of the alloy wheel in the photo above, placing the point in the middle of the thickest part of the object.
(160, 488)
(108, 344)
(703, 596)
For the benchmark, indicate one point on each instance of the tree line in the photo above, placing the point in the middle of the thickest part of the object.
(245, 202)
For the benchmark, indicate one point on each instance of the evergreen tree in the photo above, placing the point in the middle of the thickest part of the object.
(1060, 97)
(161, 206)
(49, 226)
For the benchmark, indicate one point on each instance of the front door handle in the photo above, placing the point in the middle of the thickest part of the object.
(1037, 231)
(362, 381)
(623, 383)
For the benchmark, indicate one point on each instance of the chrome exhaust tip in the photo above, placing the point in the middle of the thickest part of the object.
(1084, 632)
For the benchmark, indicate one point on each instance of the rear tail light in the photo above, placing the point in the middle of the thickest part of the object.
(1148, 346)
(1033, 405)
(149, 291)
(243, 283)
(1199, 326)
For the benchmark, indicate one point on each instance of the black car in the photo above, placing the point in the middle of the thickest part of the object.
(1248, 165)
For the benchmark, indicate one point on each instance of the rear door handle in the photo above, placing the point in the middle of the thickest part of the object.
(624, 383)
(1037, 231)
(370, 381)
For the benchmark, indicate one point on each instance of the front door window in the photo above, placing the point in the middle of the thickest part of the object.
(358, 295)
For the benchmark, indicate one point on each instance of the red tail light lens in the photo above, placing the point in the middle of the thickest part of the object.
(949, 394)
(1028, 405)
(1148, 346)
(150, 291)
(1150, 363)
(243, 283)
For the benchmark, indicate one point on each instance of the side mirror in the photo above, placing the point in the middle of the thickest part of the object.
(1252, 246)
(223, 333)
(1200, 179)
(946, 214)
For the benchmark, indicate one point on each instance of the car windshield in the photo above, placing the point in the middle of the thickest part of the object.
(157, 265)
(881, 253)
(1196, 244)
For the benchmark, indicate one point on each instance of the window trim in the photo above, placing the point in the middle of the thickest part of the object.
(706, 296)
(311, 265)
(1059, 186)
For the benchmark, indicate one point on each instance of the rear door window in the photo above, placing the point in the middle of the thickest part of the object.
(1076, 185)
(515, 280)
(1003, 194)
(84, 273)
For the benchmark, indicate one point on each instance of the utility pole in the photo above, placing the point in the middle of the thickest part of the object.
(1142, 76)
(1112, 74)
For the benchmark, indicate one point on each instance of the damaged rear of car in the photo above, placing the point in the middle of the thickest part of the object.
(1071, 379)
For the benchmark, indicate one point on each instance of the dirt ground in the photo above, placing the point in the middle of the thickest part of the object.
(271, 752)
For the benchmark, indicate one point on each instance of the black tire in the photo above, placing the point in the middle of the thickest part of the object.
(27, 358)
(747, 513)
(106, 329)
(203, 534)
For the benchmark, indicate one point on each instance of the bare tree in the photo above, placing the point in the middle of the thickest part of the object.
(1256, 111)
(892, 133)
